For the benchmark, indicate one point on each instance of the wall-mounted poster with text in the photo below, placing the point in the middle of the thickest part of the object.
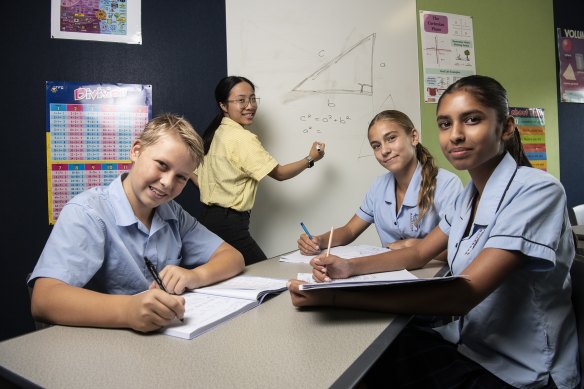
(89, 131)
(97, 20)
(448, 51)
(531, 125)
(571, 58)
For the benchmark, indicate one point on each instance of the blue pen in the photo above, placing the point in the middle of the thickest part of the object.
(306, 230)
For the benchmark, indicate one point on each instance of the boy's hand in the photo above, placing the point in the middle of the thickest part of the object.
(177, 279)
(154, 309)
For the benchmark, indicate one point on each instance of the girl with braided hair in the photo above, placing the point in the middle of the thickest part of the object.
(405, 203)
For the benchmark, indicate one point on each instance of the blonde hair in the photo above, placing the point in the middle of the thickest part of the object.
(429, 169)
(168, 123)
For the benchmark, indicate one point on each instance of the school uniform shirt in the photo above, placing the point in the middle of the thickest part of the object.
(525, 329)
(233, 167)
(379, 206)
(98, 243)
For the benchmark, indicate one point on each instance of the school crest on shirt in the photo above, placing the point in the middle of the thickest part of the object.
(478, 232)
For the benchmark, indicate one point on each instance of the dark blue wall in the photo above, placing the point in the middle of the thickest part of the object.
(183, 55)
(569, 14)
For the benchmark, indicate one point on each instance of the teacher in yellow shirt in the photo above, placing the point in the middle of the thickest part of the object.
(235, 161)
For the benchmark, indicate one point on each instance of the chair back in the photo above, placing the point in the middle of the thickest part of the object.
(579, 214)
(577, 274)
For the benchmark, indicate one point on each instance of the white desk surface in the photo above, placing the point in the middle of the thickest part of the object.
(271, 346)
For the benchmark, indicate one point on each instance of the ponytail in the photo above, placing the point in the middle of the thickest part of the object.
(515, 148)
(428, 186)
(210, 131)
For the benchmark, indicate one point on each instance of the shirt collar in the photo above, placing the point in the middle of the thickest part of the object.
(495, 189)
(231, 123)
(411, 197)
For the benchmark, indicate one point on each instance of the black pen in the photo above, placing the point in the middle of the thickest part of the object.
(154, 273)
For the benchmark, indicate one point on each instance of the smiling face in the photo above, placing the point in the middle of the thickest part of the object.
(235, 108)
(394, 149)
(159, 173)
(471, 136)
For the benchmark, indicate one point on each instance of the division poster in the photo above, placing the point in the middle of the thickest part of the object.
(97, 20)
(89, 131)
(571, 58)
(448, 52)
(531, 125)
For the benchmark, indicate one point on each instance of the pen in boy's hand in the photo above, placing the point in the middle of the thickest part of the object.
(154, 274)
(318, 147)
(152, 269)
(306, 230)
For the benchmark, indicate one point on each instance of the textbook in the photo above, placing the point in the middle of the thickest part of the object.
(398, 277)
(212, 305)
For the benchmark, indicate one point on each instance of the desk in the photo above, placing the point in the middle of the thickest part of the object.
(271, 346)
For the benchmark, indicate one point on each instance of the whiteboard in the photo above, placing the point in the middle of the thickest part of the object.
(322, 69)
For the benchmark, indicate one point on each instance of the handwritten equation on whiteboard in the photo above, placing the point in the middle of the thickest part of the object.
(314, 123)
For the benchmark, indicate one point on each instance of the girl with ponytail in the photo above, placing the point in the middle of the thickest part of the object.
(234, 164)
(406, 202)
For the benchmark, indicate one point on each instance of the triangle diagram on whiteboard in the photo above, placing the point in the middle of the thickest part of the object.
(349, 72)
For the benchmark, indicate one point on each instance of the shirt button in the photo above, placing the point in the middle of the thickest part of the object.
(395, 223)
(456, 245)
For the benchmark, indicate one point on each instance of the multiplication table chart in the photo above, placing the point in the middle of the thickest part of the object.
(90, 129)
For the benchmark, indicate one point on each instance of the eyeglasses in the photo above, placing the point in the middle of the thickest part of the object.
(245, 101)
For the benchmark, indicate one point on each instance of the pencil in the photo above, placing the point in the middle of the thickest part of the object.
(328, 250)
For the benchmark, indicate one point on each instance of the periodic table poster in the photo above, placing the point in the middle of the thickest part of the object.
(89, 131)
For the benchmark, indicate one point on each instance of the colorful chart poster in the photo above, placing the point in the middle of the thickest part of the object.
(98, 20)
(89, 131)
(447, 51)
(531, 125)
(571, 56)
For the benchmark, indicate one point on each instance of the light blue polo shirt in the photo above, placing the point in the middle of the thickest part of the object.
(378, 206)
(98, 243)
(525, 330)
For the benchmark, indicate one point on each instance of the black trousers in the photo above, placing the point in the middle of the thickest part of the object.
(421, 358)
(233, 227)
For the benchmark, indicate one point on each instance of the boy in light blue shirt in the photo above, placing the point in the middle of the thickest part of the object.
(92, 271)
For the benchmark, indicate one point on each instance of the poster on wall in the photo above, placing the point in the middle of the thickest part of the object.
(89, 131)
(531, 125)
(97, 20)
(571, 58)
(448, 52)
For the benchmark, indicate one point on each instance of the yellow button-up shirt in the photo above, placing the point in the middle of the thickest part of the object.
(233, 167)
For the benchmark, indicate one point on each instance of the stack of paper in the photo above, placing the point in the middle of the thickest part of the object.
(375, 279)
(347, 252)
